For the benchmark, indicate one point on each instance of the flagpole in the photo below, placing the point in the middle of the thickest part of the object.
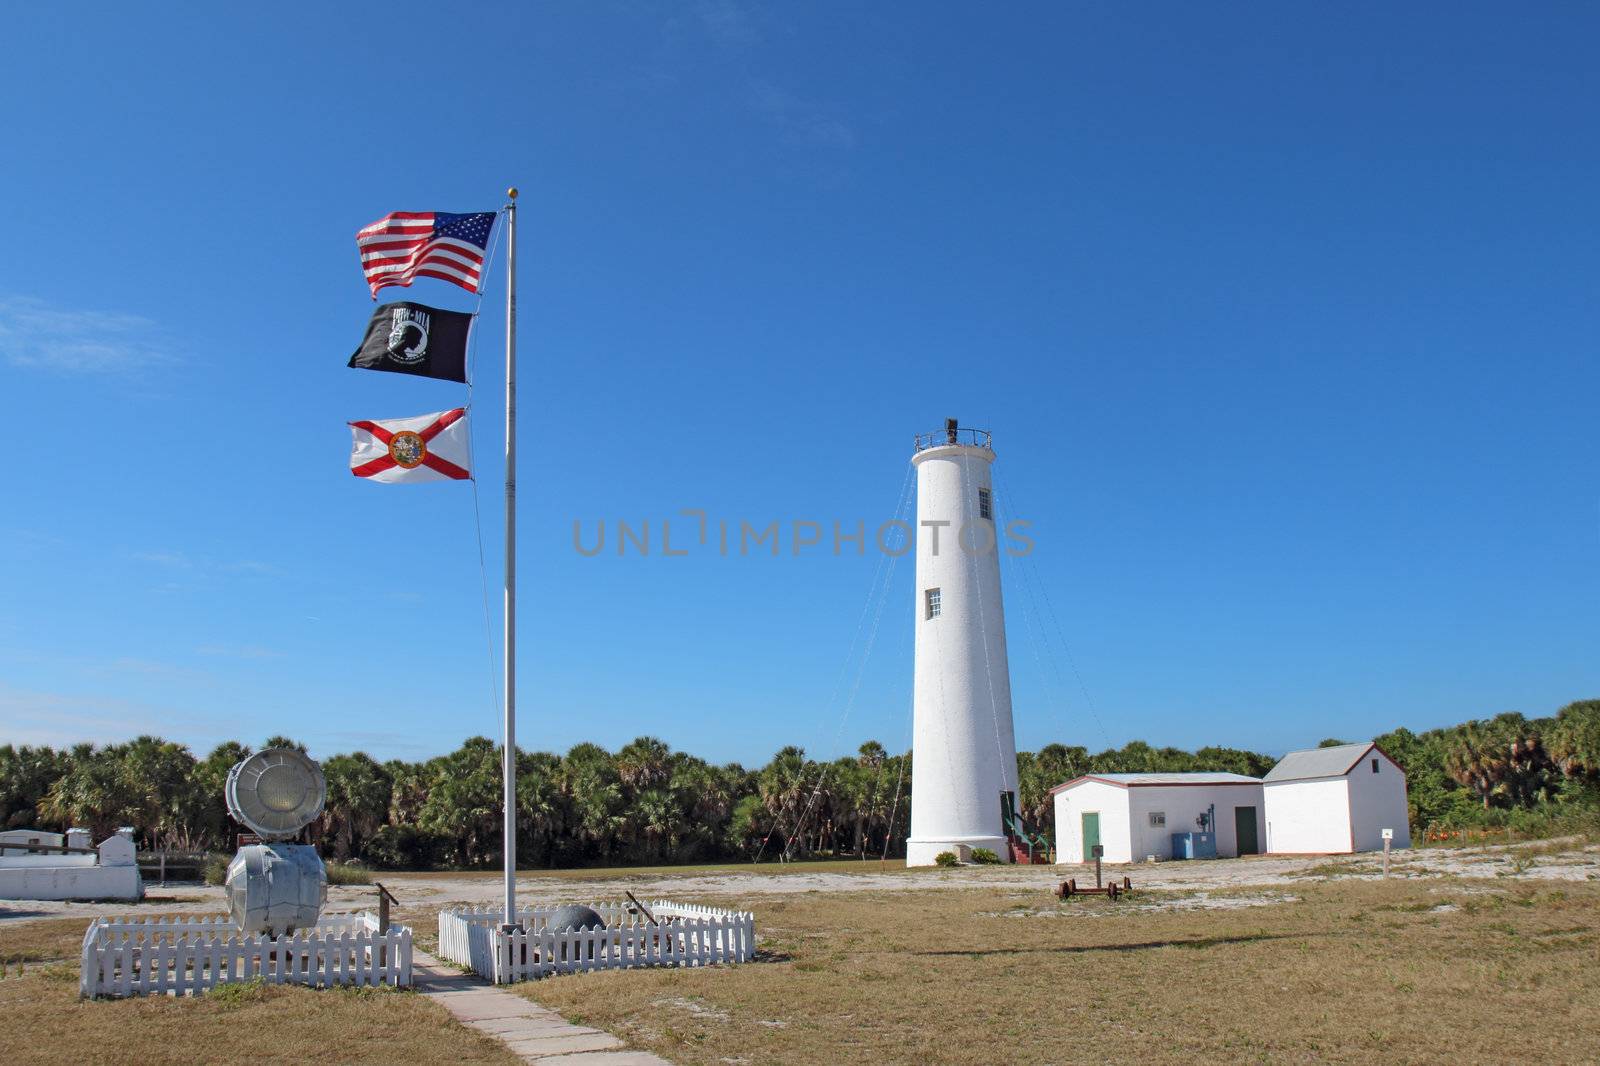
(509, 756)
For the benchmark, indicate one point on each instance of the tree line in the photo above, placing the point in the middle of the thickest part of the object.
(645, 803)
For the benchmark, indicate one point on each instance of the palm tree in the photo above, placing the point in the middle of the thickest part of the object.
(644, 762)
(167, 797)
(26, 774)
(782, 787)
(93, 792)
(655, 823)
(541, 807)
(594, 792)
(464, 800)
(358, 801)
(703, 793)
(408, 790)
(1574, 739)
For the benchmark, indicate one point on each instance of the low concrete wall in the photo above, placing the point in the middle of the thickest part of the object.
(71, 882)
(113, 873)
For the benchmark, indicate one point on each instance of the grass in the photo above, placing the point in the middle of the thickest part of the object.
(1341, 868)
(1353, 971)
(340, 874)
(589, 873)
(1451, 970)
(44, 1023)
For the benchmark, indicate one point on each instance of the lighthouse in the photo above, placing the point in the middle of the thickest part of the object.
(964, 751)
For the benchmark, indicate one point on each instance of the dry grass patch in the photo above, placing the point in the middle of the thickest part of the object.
(1351, 971)
(42, 1020)
(54, 938)
(626, 873)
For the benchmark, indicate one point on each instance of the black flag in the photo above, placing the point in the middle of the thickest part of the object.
(410, 338)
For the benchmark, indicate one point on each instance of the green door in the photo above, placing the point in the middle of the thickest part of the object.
(1244, 830)
(1091, 834)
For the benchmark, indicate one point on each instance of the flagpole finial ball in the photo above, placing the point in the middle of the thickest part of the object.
(512, 192)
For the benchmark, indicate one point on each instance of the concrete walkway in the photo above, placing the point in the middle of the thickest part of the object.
(532, 1032)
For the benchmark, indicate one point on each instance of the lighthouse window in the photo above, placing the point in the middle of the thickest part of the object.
(933, 603)
(1158, 819)
(985, 509)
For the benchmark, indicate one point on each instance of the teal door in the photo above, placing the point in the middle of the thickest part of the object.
(1091, 834)
(1244, 830)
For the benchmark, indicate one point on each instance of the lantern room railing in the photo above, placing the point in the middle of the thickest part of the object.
(977, 438)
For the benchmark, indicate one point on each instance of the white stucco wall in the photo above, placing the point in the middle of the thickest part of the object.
(26, 836)
(1182, 804)
(1308, 817)
(963, 741)
(1125, 828)
(1378, 802)
(112, 874)
(1111, 802)
(71, 882)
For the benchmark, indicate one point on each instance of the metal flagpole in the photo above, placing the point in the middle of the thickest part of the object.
(509, 757)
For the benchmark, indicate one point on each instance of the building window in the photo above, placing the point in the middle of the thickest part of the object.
(985, 508)
(1158, 819)
(1374, 765)
(932, 606)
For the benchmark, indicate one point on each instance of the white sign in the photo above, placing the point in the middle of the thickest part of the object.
(1388, 834)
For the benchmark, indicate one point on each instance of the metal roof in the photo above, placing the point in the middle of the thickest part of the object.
(1318, 762)
(1125, 780)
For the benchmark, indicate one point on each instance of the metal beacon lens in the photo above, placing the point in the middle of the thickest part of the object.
(276, 887)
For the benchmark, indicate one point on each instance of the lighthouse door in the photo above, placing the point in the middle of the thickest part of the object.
(1091, 832)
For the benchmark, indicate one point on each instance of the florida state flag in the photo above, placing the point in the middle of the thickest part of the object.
(425, 448)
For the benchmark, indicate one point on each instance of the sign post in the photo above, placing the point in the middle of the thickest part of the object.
(1098, 850)
(1388, 838)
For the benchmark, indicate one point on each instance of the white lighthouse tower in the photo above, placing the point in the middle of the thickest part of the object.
(964, 752)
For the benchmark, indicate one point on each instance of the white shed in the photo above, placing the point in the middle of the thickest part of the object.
(1135, 815)
(1335, 800)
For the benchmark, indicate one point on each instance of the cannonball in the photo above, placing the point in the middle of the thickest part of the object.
(575, 916)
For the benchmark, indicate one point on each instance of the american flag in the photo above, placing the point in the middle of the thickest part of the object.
(403, 244)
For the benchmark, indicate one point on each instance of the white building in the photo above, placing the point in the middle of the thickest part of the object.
(1133, 816)
(1339, 799)
(38, 865)
(966, 754)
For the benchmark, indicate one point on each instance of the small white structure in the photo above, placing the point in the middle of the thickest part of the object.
(961, 699)
(1335, 801)
(42, 865)
(1134, 816)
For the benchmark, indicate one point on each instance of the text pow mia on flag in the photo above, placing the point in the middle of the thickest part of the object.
(412, 338)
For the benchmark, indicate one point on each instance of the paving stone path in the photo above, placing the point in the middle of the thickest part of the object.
(532, 1032)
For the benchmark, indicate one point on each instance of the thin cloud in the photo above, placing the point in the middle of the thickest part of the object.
(728, 22)
(36, 334)
(60, 720)
(800, 122)
(175, 559)
(238, 651)
(165, 558)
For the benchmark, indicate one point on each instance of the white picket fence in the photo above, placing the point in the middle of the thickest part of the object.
(684, 935)
(185, 956)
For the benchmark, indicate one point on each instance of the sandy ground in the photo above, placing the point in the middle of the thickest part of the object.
(1206, 884)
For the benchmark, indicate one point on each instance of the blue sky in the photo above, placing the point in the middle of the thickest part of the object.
(1284, 319)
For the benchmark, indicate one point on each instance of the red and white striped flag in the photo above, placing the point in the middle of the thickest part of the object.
(404, 244)
(425, 448)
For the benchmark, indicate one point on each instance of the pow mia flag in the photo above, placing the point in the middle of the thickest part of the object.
(411, 338)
